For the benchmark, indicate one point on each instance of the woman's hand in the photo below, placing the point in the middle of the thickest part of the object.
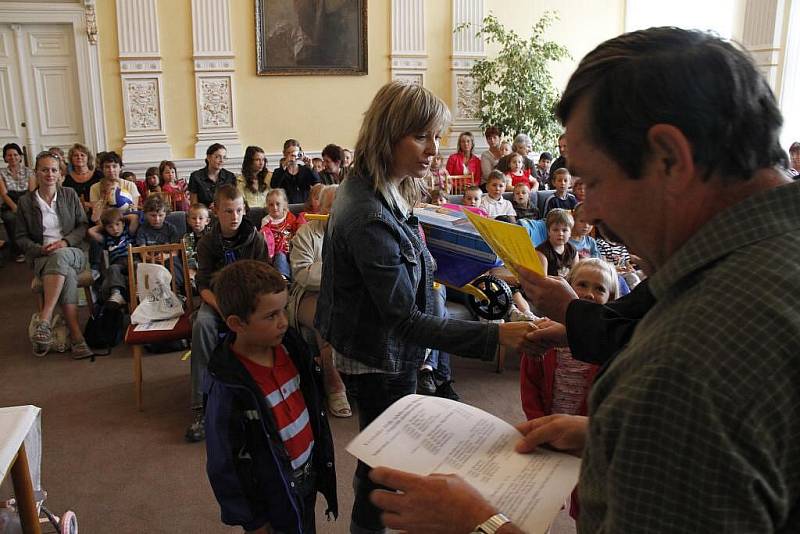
(52, 247)
(515, 336)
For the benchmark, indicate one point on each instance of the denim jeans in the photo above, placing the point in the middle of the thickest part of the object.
(439, 360)
(205, 338)
(374, 393)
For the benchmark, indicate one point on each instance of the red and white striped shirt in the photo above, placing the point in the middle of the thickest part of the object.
(280, 385)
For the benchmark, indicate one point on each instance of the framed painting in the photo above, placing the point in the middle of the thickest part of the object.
(302, 37)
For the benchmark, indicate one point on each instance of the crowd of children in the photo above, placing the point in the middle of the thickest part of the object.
(241, 271)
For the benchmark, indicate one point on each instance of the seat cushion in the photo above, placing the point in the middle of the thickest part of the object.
(182, 330)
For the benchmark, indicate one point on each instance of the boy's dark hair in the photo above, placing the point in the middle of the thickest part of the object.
(227, 192)
(109, 157)
(239, 285)
(491, 131)
(496, 175)
(151, 171)
(794, 147)
(334, 152)
(155, 202)
(546, 155)
(695, 81)
(128, 175)
(559, 216)
(110, 216)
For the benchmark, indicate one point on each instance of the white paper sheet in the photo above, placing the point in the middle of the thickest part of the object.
(167, 324)
(15, 424)
(425, 435)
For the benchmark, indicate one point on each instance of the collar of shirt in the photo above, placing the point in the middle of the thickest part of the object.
(768, 213)
(43, 203)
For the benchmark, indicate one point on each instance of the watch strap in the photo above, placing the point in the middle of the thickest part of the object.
(491, 525)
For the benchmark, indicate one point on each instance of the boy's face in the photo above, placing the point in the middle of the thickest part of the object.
(268, 323)
(111, 170)
(582, 226)
(543, 164)
(276, 207)
(115, 228)
(230, 214)
(318, 166)
(440, 200)
(198, 220)
(472, 198)
(495, 188)
(521, 195)
(561, 183)
(558, 234)
(155, 218)
(579, 190)
(795, 159)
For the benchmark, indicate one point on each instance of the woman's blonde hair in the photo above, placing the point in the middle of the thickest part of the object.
(399, 109)
(608, 271)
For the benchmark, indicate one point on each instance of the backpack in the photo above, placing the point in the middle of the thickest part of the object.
(104, 329)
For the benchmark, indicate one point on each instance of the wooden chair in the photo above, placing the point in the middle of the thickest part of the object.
(460, 183)
(172, 257)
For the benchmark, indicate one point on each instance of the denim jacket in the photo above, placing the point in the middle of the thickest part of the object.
(376, 294)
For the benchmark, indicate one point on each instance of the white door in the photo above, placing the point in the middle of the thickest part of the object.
(39, 87)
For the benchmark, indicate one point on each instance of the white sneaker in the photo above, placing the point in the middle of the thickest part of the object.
(116, 300)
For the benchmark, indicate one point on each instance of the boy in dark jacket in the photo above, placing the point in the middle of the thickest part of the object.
(268, 443)
(232, 238)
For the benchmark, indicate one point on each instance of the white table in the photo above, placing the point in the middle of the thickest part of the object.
(15, 423)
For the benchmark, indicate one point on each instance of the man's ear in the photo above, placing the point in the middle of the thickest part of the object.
(671, 156)
(235, 323)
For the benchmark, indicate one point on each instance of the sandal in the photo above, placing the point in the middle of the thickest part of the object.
(338, 405)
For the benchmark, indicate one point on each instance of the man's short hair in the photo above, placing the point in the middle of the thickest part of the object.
(239, 285)
(492, 131)
(334, 152)
(692, 80)
(110, 216)
(559, 216)
(227, 192)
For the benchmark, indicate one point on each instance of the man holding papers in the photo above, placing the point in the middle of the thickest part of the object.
(693, 426)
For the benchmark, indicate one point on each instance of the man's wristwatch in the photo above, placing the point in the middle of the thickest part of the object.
(491, 525)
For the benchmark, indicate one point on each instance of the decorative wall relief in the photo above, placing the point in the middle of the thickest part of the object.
(143, 104)
(468, 97)
(215, 102)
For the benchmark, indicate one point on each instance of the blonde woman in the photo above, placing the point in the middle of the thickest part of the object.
(375, 305)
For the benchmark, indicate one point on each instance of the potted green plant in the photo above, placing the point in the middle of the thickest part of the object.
(515, 87)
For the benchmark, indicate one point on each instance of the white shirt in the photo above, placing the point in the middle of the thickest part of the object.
(497, 207)
(51, 226)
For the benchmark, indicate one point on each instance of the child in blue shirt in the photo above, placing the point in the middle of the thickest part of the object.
(562, 198)
(586, 244)
(156, 230)
(115, 232)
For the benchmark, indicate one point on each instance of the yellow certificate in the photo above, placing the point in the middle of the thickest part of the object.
(509, 241)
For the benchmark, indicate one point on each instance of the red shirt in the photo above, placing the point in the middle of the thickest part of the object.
(524, 178)
(280, 385)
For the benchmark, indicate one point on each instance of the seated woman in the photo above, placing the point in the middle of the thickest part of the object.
(465, 161)
(306, 262)
(254, 180)
(51, 225)
(83, 174)
(15, 181)
(112, 191)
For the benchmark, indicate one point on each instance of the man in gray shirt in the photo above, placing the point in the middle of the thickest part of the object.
(695, 425)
